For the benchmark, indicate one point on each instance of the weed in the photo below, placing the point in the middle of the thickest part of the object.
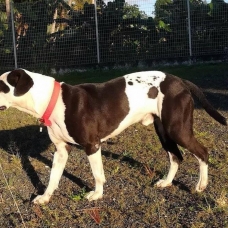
(116, 169)
(81, 195)
(127, 154)
(149, 172)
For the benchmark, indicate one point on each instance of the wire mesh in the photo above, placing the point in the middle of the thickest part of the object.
(71, 33)
(209, 28)
(52, 33)
(126, 32)
(6, 40)
(171, 22)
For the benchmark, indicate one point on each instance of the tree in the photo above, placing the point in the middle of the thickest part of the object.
(170, 18)
(132, 11)
(8, 10)
(124, 31)
(79, 4)
(6, 51)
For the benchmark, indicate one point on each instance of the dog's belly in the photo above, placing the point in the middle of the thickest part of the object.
(129, 121)
(142, 112)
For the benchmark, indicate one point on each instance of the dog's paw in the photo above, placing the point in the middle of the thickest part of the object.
(201, 187)
(41, 199)
(93, 195)
(163, 183)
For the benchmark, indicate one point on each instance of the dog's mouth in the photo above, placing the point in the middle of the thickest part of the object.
(2, 108)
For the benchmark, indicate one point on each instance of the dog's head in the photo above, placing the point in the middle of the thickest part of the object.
(13, 85)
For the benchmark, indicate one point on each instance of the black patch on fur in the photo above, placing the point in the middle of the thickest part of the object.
(153, 92)
(155, 78)
(172, 85)
(167, 143)
(3, 87)
(138, 81)
(130, 83)
(177, 116)
(93, 111)
(20, 80)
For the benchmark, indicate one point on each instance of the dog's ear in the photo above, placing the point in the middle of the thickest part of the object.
(21, 81)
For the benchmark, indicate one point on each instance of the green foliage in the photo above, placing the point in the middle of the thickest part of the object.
(54, 33)
(132, 11)
(163, 25)
(81, 195)
(209, 26)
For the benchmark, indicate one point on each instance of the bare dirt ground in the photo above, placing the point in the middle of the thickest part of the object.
(133, 162)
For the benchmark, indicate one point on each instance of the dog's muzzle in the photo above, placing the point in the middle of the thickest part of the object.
(2, 108)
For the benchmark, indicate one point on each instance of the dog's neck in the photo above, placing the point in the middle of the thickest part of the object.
(37, 99)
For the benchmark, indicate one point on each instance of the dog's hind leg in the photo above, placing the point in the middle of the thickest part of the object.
(59, 162)
(96, 165)
(177, 119)
(200, 152)
(203, 178)
(174, 153)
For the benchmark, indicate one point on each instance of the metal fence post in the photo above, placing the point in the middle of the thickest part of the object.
(189, 29)
(13, 32)
(97, 35)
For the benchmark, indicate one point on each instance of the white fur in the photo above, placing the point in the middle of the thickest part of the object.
(41, 90)
(171, 174)
(141, 106)
(95, 161)
(59, 162)
(203, 176)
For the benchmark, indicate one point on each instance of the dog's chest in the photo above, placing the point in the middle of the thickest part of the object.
(61, 133)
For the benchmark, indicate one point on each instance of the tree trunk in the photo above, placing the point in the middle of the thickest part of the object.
(8, 10)
(70, 3)
(52, 30)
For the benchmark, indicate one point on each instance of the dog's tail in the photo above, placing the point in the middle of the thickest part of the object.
(205, 103)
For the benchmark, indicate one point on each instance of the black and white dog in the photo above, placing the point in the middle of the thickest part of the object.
(89, 114)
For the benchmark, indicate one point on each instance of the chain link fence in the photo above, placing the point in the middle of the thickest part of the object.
(55, 34)
(6, 40)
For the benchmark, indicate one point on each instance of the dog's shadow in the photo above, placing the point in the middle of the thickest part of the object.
(28, 142)
(155, 175)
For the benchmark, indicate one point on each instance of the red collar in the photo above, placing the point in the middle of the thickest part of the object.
(45, 118)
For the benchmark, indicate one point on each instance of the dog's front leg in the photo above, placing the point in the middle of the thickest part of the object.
(95, 161)
(59, 162)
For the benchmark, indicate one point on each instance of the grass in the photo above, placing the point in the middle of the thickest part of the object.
(195, 72)
(133, 162)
